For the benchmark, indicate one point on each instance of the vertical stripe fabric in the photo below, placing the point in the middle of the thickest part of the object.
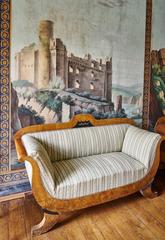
(83, 161)
(39, 154)
(81, 142)
(141, 145)
(88, 175)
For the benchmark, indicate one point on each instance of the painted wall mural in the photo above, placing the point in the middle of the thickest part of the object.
(95, 58)
(157, 104)
(73, 56)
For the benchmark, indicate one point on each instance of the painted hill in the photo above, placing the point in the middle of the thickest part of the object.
(133, 90)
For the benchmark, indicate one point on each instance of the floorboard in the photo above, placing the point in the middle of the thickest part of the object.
(133, 217)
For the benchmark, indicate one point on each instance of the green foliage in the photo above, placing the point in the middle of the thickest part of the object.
(58, 83)
(22, 83)
(27, 110)
(83, 94)
(49, 99)
(55, 104)
(100, 115)
(67, 99)
(24, 89)
(159, 84)
(163, 71)
(41, 97)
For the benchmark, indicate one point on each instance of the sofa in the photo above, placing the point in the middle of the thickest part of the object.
(85, 162)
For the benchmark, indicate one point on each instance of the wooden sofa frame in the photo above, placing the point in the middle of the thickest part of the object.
(56, 210)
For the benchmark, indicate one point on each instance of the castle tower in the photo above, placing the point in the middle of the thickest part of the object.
(61, 61)
(45, 35)
(162, 57)
(53, 59)
(108, 81)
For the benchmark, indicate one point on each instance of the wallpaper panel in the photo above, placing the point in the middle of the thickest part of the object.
(157, 103)
(73, 56)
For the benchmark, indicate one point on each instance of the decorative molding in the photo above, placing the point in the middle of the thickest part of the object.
(83, 124)
(19, 176)
(147, 65)
(11, 178)
(4, 85)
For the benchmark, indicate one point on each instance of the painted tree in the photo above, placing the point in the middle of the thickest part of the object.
(50, 100)
(158, 75)
(28, 111)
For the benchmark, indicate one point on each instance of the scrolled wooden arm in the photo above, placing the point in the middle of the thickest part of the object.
(160, 126)
(38, 189)
(160, 120)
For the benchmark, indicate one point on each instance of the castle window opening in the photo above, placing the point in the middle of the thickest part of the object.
(77, 71)
(92, 74)
(92, 87)
(77, 84)
(70, 69)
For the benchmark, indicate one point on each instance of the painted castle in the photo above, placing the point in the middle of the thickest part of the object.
(43, 63)
(157, 59)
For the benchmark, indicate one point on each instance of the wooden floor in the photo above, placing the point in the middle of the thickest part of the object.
(132, 218)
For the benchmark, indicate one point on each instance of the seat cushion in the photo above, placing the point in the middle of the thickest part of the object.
(82, 142)
(88, 175)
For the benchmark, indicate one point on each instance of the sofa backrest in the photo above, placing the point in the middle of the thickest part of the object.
(79, 142)
(141, 145)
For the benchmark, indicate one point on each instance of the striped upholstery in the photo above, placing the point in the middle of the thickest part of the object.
(88, 175)
(141, 145)
(81, 142)
(39, 154)
(92, 159)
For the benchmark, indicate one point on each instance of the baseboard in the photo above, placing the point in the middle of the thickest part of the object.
(15, 196)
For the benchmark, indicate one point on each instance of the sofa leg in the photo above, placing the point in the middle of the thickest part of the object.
(48, 222)
(149, 192)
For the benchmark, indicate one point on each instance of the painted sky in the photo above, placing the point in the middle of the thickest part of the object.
(158, 31)
(103, 28)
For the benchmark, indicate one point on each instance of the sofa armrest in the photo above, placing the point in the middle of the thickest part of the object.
(141, 145)
(37, 152)
(160, 126)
